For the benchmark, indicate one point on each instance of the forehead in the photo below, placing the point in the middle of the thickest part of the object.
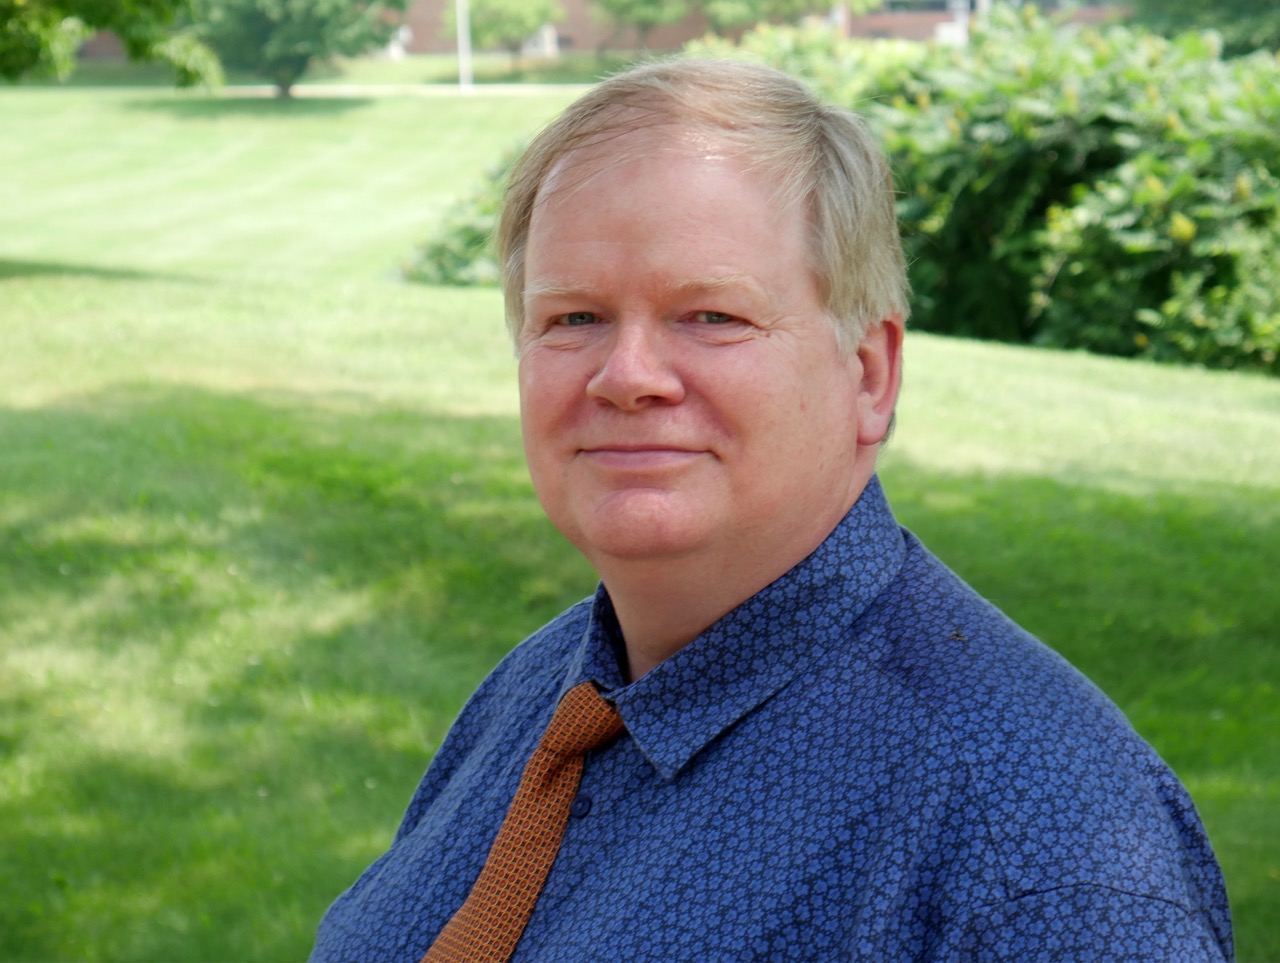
(689, 197)
(658, 144)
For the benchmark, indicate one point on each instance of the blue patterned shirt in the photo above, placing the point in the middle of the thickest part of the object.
(865, 761)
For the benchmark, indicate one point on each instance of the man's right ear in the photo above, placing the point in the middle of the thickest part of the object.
(880, 354)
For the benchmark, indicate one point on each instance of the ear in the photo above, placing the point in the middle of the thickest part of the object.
(881, 357)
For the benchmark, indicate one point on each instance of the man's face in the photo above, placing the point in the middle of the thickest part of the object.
(682, 393)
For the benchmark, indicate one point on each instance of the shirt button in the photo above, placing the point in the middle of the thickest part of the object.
(580, 806)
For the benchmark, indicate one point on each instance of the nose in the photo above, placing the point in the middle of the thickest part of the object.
(637, 369)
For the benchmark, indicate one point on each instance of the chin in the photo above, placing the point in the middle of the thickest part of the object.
(638, 535)
(603, 551)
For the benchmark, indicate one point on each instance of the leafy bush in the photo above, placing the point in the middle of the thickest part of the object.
(840, 71)
(1107, 190)
(461, 251)
(1102, 189)
(1245, 25)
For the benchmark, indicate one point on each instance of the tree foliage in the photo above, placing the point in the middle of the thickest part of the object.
(1245, 25)
(1108, 190)
(725, 15)
(41, 36)
(847, 72)
(461, 250)
(506, 24)
(281, 39)
(643, 15)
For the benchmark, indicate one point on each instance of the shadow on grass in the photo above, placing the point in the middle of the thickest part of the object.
(33, 269)
(237, 628)
(238, 625)
(209, 107)
(112, 72)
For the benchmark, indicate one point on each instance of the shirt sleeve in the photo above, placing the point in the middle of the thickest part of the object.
(1089, 922)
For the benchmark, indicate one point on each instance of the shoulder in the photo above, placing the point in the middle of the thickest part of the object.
(1064, 791)
(976, 668)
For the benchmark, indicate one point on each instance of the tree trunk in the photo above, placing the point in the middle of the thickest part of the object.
(286, 73)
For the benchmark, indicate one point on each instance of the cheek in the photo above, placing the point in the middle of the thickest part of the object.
(550, 380)
(533, 411)
(550, 406)
(801, 421)
(538, 396)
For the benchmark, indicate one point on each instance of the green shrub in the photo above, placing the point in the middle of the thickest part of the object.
(1245, 25)
(1164, 261)
(461, 251)
(1106, 190)
(1101, 189)
(840, 71)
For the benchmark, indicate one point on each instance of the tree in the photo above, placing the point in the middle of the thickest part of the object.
(1245, 25)
(725, 15)
(643, 15)
(281, 39)
(506, 23)
(41, 36)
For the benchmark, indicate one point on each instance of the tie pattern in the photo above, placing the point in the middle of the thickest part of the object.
(489, 924)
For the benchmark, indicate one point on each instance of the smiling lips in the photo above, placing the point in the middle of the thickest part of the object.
(639, 457)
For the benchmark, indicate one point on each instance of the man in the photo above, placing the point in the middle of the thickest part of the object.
(825, 745)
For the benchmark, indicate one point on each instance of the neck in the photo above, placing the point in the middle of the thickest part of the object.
(663, 604)
(661, 612)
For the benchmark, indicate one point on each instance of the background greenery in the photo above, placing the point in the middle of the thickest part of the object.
(571, 67)
(280, 40)
(1101, 189)
(1244, 25)
(264, 521)
(42, 37)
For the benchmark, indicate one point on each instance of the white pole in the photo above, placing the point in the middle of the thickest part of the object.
(983, 9)
(960, 11)
(462, 10)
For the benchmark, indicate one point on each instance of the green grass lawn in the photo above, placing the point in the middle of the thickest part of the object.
(264, 521)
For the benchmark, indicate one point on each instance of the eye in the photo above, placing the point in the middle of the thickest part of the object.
(576, 319)
(713, 317)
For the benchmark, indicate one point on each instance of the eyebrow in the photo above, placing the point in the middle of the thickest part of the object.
(716, 283)
(693, 286)
(532, 291)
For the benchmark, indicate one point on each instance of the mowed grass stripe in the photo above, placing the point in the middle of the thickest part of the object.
(187, 182)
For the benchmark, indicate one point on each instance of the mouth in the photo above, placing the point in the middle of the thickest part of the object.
(639, 457)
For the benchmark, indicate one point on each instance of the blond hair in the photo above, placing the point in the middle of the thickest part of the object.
(821, 156)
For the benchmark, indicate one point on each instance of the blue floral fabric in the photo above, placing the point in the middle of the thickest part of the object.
(865, 761)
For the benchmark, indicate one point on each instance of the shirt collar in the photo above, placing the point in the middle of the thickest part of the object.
(749, 654)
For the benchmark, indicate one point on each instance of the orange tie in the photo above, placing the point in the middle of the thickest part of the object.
(489, 924)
